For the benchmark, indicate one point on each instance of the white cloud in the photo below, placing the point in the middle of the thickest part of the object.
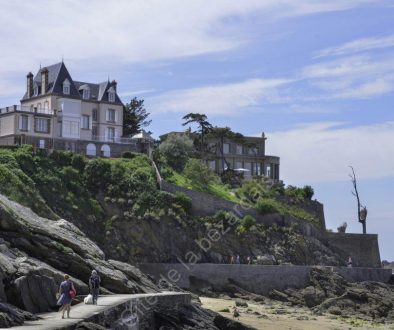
(354, 77)
(134, 31)
(359, 45)
(225, 99)
(322, 152)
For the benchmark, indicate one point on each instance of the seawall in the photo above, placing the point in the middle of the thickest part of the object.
(260, 279)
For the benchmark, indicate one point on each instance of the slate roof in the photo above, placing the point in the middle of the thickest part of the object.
(58, 73)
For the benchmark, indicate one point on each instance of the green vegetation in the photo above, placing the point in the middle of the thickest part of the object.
(176, 150)
(306, 192)
(76, 188)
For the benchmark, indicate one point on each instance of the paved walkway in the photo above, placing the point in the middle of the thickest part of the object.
(80, 312)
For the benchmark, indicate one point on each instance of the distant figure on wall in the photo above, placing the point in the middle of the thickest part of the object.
(238, 260)
(349, 262)
(248, 260)
(235, 313)
(232, 260)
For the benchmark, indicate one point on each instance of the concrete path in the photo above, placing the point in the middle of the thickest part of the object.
(80, 312)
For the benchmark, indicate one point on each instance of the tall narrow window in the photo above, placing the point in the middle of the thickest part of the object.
(226, 148)
(86, 94)
(24, 123)
(111, 96)
(111, 115)
(94, 115)
(66, 87)
(239, 149)
(85, 122)
(110, 134)
(94, 133)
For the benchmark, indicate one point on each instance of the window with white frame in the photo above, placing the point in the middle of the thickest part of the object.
(42, 125)
(94, 115)
(41, 144)
(66, 87)
(111, 115)
(85, 122)
(24, 123)
(111, 96)
(110, 134)
(86, 94)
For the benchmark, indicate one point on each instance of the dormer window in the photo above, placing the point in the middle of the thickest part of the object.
(35, 90)
(86, 94)
(66, 87)
(111, 96)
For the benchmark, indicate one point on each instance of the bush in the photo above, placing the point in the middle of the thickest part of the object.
(248, 222)
(301, 193)
(267, 206)
(184, 201)
(128, 155)
(252, 190)
(198, 173)
(176, 150)
(78, 162)
(97, 174)
(62, 158)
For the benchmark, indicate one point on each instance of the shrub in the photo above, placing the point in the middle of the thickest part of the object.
(97, 174)
(248, 222)
(128, 155)
(267, 206)
(198, 173)
(78, 162)
(176, 150)
(252, 190)
(62, 158)
(308, 192)
(184, 201)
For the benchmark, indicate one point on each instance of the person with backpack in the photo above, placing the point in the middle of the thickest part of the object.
(94, 285)
(66, 294)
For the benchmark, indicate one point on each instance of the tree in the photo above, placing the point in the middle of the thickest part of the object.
(135, 117)
(203, 125)
(222, 134)
(361, 209)
(176, 150)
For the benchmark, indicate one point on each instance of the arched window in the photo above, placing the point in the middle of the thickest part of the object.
(91, 149)
(105, 151)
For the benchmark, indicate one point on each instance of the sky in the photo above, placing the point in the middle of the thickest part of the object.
(316, 76)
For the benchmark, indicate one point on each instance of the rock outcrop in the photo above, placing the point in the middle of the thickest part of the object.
(35, 253)
(330, 292)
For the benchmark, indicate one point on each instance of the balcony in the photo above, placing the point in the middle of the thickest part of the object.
(121, 140)
(21, 108)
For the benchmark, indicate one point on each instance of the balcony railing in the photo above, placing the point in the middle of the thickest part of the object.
(21, 108)
(100, 138)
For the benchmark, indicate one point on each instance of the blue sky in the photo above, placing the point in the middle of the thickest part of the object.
(316, 76)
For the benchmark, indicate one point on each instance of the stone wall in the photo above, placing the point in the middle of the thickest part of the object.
(260, 279)
(206, 204)
(362, 248)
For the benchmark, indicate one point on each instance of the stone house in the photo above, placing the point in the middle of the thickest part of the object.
(248, 157)
(57, 112)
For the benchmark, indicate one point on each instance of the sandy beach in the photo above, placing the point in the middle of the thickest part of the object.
(277, 316)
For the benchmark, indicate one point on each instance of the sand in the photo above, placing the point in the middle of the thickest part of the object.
(277, 316)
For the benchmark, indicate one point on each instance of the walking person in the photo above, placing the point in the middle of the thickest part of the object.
(350, 262)
(232, 260)
(66, 293)
(238, 260)
(235, 313)
(94, 285)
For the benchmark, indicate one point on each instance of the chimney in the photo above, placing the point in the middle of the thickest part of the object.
(44, 80)
(114, 84)
(29, 88)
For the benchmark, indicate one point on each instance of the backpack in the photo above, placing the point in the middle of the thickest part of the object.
(95, 282)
